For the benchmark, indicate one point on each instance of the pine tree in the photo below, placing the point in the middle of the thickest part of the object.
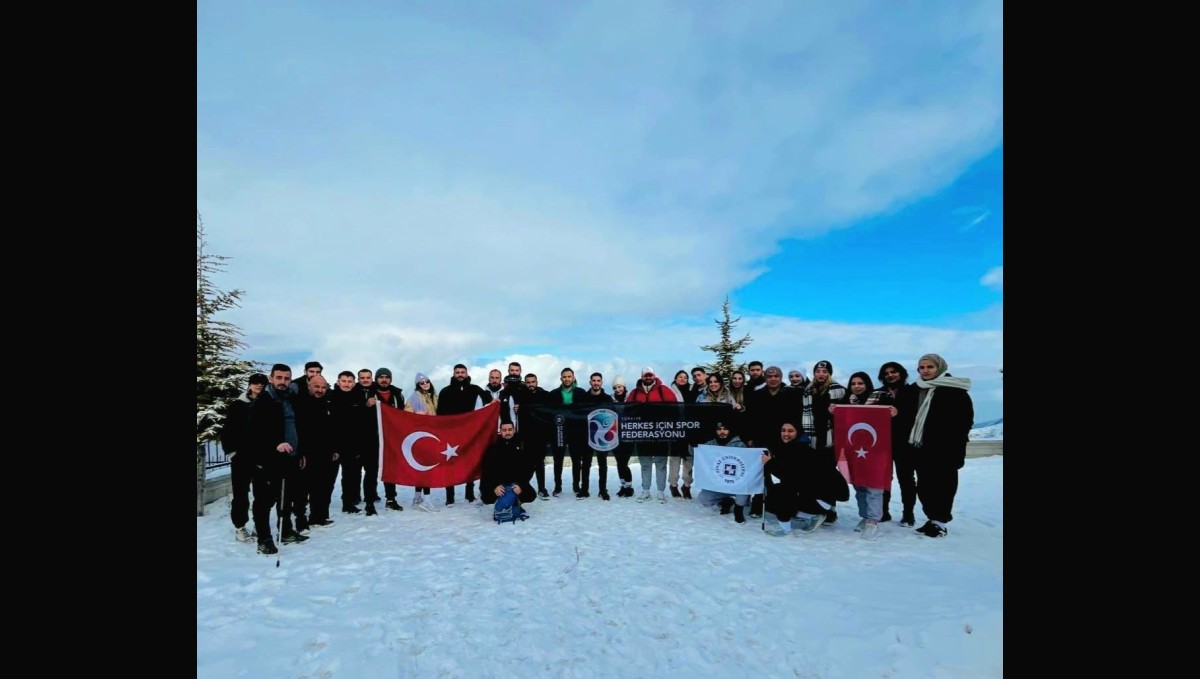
(220, 376)
(726, 349)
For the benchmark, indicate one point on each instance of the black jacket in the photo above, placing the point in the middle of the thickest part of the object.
(459, 397)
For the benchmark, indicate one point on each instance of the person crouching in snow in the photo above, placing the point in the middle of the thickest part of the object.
(807, 486)
(727, 501)
(505, 466)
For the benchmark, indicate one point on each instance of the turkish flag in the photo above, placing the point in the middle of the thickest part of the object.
(863, 438)
(435, 451)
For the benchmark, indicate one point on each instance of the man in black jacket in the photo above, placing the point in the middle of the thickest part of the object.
(505, 465)
(566, 393)
(534, 435)
(583, 457)
(460, 396)
(274, 447)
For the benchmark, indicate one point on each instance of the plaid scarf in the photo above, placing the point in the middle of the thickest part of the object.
(926, 397)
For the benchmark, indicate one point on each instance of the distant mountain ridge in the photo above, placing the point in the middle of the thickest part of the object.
(987, 431)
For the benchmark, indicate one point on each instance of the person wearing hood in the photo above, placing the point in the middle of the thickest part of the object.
(726, 501)
(652, 456)
(935, 416)
(241, 471)
(422, 402)
(460, 396)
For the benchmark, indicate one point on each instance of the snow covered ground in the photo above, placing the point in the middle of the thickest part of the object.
(594, 589)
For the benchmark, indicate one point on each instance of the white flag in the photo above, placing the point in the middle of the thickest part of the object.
(725, 469)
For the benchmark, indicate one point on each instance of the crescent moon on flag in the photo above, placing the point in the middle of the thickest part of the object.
(863, 426)
(406, 448)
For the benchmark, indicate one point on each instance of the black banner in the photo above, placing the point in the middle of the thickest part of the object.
(604, 426)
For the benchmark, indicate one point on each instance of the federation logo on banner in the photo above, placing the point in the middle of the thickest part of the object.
(603, 427)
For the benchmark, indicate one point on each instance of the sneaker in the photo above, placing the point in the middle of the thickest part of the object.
(322, 522)
(933, 530)
(604, 495)
(674, 492)
(739, 514)
(302, 525)
(886, 516)
(371, 509)
(870, 531)
(662, 497)
(861, 524)
(582, 495)
(242, 535)
(392, 504)
(830, 518)
(908, 520)
(351, 510)
(754, 514)
(813, 523)
(557, 491)
(291, 537)
(644, 496)
(726, 505)
(267, 547)
(778, 530)
(687, 492)
(543, 494)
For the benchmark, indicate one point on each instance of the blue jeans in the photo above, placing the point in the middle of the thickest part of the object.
(648, 463)
(870, 502)
(709, 498)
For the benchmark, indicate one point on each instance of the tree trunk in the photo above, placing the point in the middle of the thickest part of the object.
(200, 479)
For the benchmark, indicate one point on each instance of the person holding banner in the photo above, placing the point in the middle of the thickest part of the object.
(868, 456)
(709, 497)
(808, 484)
(622, 452)
(650, 389)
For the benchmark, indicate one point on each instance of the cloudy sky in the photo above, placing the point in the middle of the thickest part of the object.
(414, 185)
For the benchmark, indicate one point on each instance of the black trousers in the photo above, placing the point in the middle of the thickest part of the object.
(559, 454)
(321, 476)
(352, 469)
(937, 484)
(583, 462)
(270, 483)
(470, 492)
(241, 473)
(906, 476)
(370, 478)
(623, 472)
(538, 454)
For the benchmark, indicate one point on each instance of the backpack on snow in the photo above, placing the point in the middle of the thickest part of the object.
(508, 509)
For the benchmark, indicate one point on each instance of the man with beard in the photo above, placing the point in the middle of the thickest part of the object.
(241, 469)
(583, 458)
(726, 501)
(274, 447)
(460, 396)
(567, 393)
(316, 427)
(534, 434)
(389, 396)
(506, 466)
(757, 379)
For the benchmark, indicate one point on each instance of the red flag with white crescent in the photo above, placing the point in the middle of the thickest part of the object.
(863, 437)
(435, 451)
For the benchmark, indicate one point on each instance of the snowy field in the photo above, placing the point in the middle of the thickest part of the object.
(594, 589)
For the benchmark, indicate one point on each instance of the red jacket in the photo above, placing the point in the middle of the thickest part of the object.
(658, 394)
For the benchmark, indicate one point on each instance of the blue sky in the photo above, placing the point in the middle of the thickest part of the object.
(414, 185)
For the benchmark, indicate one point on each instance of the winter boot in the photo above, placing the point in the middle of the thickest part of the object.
(687, 492)
(675, 492)
(371, 509)
(739, 514)
(392, 504)
(267, 546)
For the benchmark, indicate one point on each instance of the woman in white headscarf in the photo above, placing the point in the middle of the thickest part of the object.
(935, 414)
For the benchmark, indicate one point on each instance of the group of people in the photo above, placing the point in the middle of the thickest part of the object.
(288, 440)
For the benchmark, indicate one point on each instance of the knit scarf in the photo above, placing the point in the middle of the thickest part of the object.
(943, 380)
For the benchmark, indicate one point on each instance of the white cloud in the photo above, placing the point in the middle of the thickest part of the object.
(994, 279)
(422, 192)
